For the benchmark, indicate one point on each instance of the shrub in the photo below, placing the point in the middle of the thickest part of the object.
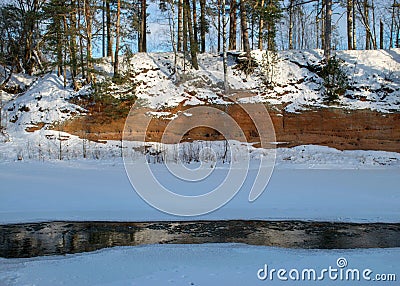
(335, 79)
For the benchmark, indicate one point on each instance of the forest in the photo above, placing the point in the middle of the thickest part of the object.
(69, 36)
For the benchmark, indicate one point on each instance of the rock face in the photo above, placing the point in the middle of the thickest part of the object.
(339, 128)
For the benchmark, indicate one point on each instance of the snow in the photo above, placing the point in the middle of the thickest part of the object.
(46, 101)
(207, 264)
(308, 183)
(374, 74)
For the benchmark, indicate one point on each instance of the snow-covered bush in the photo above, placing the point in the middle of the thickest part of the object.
(335, 79)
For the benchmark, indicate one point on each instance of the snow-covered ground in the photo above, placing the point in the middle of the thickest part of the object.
(308, 183)
(208, 264)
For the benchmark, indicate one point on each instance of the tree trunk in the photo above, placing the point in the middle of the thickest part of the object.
(232, 25)
(328, 29)
(184, 29)
(244, 29)
(57, 23)
(88, 20)
(103, 29)
(81, 41)
(72, 41)
(252, 26)
(219, 26)
(261, 27)
(143, 27)
(291, 25)
(203, 25)
(373, 26)
(109, 33)
(392, 26)
(195, 30)
(225, 60)
(354, 25)
(117, 28)
(180, 25)
(271, 30)
(193, 46)
(171, 21)
(350, 24)
(367, 30)
(69, 42)
(323, 9)
(381, 34)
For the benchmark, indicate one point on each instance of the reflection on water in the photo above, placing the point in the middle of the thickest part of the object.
(54, 238)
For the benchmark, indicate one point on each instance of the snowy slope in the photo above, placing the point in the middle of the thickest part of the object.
(373, 75)
(46, 101)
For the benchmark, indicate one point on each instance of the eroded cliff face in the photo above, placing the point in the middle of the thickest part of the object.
(334, 127)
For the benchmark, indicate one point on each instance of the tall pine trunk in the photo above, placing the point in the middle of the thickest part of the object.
(143, 27)
(354, 25)
(180, 25)
(203, 25)
(225, 57)
(244, 29)
(367, 30)
(193, 46)
(117, 28)
(184, 29)
(328, 29)
(291, 25)
(72, 41)
(232, 25)
(108, 28)
(195, 30)
(219, 26)
(381, 34)
(88, 20)
(261, 27)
